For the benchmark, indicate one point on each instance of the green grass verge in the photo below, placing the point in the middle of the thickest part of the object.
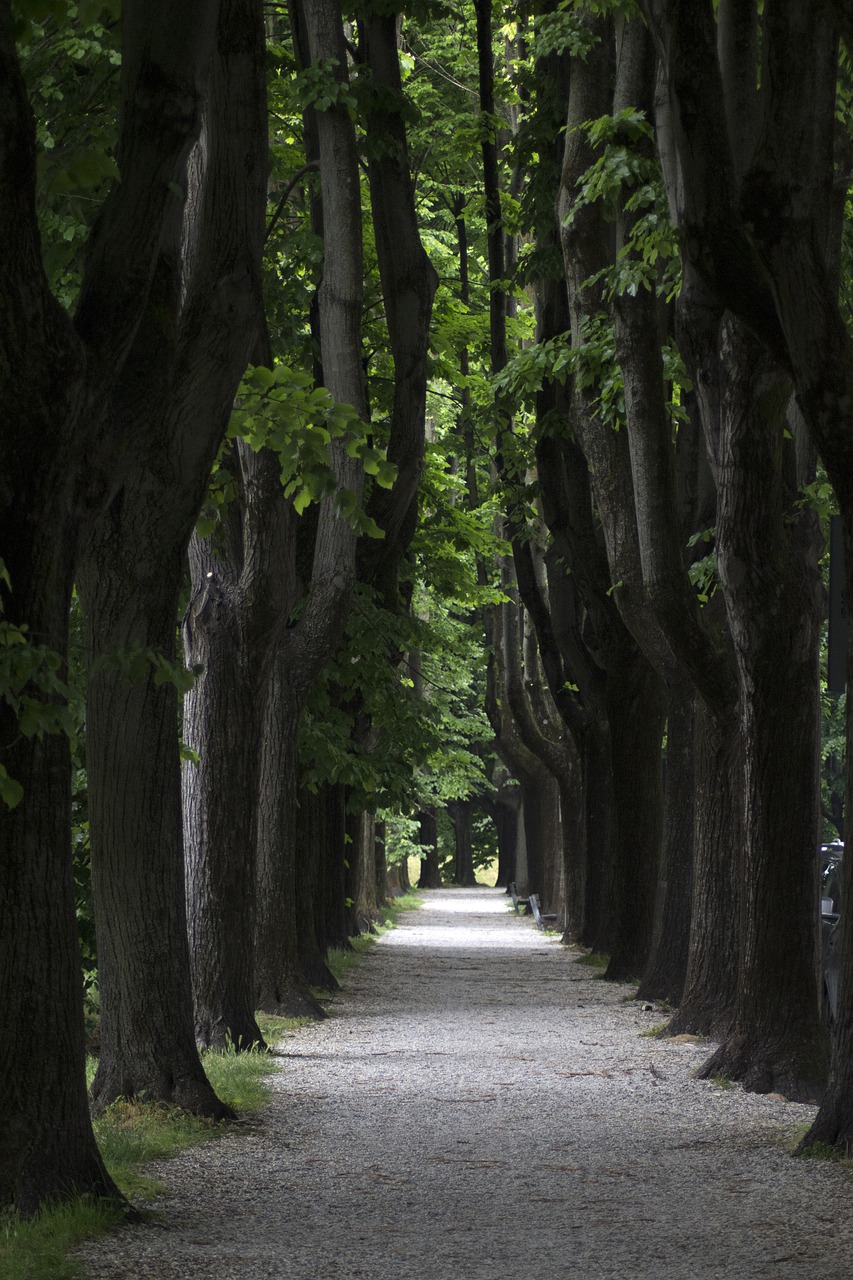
(341, 962)
(133, 1134)
(130, 1136)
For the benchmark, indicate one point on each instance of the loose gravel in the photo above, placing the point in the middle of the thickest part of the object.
(482, 1105)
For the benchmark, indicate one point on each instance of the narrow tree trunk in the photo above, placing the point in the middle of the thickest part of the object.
(463, 868)
(430, 877)
(219, 807)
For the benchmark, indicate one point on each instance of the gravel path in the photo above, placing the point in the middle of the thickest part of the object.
(481, 1106)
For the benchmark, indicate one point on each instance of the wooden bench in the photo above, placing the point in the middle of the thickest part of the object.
(542, 921)
(516, 901)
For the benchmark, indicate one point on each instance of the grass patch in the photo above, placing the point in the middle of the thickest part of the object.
(594, 960)
(723, 1082)
(131, 1135)
(658, 1029)
(38, 1248)
(341, 961)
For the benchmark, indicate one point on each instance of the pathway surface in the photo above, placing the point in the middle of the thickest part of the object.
(481, 1106)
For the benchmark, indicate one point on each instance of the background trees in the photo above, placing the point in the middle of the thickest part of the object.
(515, 524)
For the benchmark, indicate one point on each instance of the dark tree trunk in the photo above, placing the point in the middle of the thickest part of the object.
(504, 818)
(219, 806)
(665, 972)
(177, 390)
(768, 558)
(58, 463)
(430, 877)
(147, 1042)
(304, 646)
(311, 840)
(709, 988)
(636, 711)
(282, 986)
(463, 867)
(333, 932)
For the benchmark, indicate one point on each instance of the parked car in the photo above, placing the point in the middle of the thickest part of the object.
(830, 907)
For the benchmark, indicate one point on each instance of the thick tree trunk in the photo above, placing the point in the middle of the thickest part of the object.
(147, 1044)
(364, 909)
(311, 842)
(768, 559)
(333, 932)
(58, 463)
(663, 978)
(709, 988)
(48, 1150)
(176, 391)
(282, 987)
(636, 711)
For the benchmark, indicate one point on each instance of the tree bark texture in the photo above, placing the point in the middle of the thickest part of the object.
(663, 978)
(58, 461)
(305, 646)
(409, 283)
(177, 390)
(768, 556)
(228, 632)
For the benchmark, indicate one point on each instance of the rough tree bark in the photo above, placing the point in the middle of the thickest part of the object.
(757, 236)
(177, 390)
(239, 587)
(59, 462)
(303, 647)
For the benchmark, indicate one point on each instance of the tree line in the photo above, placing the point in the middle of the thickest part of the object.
(464, 391)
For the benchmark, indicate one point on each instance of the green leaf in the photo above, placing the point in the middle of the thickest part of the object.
(11, 792)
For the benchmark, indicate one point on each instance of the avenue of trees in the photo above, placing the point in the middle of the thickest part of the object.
(421, 427)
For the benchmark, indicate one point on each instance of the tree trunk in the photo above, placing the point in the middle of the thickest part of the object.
(768, 559)
(364, 911)
(463, 867)
(147, 1043)
(311, 842)
(59, 460)
(665, 972)
(636, 710)
(219, 806)
(430, 877)
(282, 987)
(709, 988)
